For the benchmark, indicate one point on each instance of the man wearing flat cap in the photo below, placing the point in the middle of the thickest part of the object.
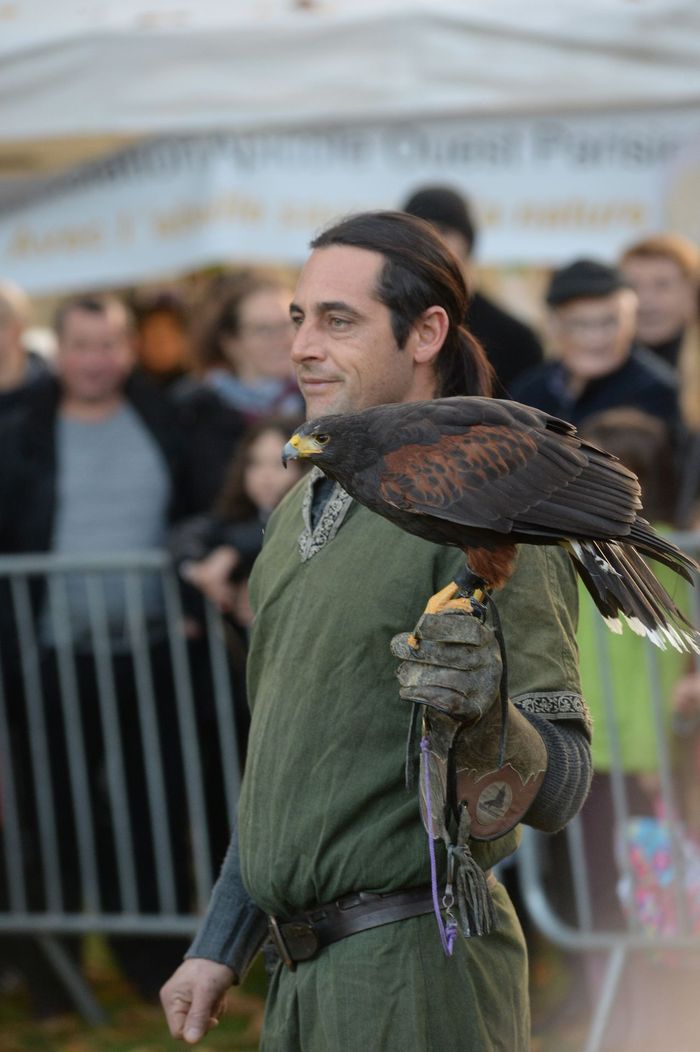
(510, 345)
(593, 314)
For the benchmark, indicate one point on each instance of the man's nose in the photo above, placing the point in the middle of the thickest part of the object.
(306, 344)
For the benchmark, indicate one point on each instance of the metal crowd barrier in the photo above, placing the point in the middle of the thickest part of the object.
(583, 935)
(35, 899)
(25, 648)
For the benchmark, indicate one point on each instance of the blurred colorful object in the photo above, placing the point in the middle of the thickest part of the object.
(649, 894)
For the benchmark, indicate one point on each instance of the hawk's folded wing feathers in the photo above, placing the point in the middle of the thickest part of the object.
(500, 479)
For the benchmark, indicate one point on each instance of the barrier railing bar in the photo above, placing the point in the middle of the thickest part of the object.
(60, 923)
(611, 983)
(667, 791)
(72, 980)
(40, 759)
(112, 739)
(42, 563)
(198, 824)
(75, 742)
(579, 873)
(10, 829)
(153, 760)
(224, 701)
(563, 934)
(617, 776)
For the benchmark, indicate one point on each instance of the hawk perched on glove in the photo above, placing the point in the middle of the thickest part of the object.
(485, 475)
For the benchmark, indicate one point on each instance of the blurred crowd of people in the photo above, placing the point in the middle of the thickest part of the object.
(160, 421)
(622, 362)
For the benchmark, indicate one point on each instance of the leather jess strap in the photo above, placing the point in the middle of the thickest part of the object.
(300, 938)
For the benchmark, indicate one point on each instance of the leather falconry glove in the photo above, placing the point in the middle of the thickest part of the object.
(455, 674)
(481, 762)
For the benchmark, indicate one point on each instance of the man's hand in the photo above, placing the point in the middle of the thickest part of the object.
(194, 998)
(212, 574)
(456, 667)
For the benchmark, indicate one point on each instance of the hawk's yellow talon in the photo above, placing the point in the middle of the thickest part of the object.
(437, 603)
(445, 600)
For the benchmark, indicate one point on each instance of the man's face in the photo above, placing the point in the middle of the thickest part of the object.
(95, 355)
(594, 336)
(344, 351)
(667, 298)
(260, 349)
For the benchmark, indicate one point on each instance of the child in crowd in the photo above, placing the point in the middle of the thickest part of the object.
(215, 552)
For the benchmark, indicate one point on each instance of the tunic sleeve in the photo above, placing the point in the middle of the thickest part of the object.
(233, 928)
(538, 609)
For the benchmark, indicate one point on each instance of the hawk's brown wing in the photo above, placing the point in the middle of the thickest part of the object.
(516, 478)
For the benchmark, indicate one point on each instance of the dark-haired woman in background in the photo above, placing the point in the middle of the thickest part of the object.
(243, 373)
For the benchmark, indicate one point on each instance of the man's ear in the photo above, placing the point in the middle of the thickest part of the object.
(428, 334)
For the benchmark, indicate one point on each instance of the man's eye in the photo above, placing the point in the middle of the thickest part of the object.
(338, 323)
(296, 320)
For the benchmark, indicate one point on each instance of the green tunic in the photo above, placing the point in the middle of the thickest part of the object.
(324, 810)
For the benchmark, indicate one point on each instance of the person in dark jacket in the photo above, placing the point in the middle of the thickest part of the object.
(599, 367)
(162, 334)
(510, 345)
(20, 369)
(92, 464)
(94, 392)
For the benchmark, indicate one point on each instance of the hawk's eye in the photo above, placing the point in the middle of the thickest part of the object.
(322, 439)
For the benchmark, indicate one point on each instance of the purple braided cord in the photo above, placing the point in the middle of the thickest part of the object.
(447, 937)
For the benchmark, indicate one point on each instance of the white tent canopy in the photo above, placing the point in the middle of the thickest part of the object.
(474, 94)
(90, 67)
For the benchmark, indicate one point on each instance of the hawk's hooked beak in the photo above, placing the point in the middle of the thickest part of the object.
(300, 446)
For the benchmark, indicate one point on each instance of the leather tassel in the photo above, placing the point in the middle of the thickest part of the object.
(477, 912)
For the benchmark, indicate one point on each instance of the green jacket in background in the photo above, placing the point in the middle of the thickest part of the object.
(635, 670)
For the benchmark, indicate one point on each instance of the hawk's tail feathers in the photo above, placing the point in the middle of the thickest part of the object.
(620, 582)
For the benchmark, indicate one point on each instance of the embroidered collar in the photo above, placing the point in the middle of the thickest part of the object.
(337, 506)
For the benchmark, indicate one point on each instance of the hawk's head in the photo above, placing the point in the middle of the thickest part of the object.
(338, 444)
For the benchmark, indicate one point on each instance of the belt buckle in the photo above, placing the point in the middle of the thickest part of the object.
(280, 944)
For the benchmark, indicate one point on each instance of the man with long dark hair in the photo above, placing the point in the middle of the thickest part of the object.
(330, 854)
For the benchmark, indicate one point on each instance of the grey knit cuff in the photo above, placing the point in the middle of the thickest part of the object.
(233, 928)
(568, 776)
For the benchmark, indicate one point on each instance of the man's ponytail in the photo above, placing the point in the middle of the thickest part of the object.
(463, 368)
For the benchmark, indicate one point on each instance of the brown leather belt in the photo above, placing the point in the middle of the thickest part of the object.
(300, 938)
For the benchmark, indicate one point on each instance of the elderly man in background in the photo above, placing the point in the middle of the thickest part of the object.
(599, 366)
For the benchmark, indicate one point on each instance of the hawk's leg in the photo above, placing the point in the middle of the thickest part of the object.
(467, 592)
